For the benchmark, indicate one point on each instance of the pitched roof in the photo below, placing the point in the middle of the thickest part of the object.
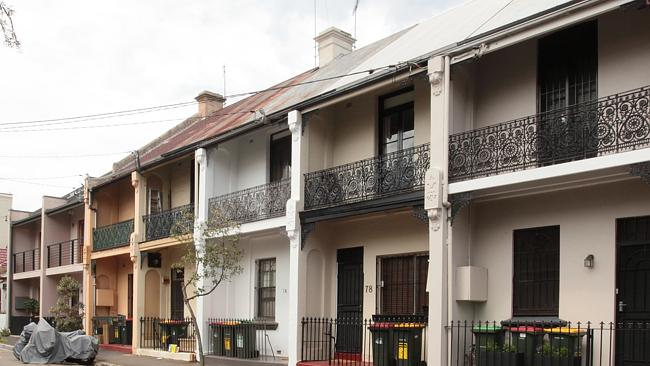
(444, 30)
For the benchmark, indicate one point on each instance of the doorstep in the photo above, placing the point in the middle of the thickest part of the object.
(176, 356)
(117, 348)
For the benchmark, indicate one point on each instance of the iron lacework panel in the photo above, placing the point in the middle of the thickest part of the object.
(386, 175)
(159, 225)
(612, 124)
(112, 236)
(253, 204)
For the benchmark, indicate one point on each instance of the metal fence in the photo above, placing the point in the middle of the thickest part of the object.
(383, 341)
(65, 253)
(160, 225)
(253, 204)
(112, 236)
(29, 260)
(17, 323)
(612, 124)
(240, 338)
(167, 334)
(395, 173)
(489, 343)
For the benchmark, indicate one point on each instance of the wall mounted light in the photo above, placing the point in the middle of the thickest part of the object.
(589, 261)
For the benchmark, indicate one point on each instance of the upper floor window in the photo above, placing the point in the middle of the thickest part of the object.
(396, 120)
(154, 193)
(568, 67)
(280, 165)
(536, 267)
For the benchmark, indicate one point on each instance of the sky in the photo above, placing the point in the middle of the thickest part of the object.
(82, 57)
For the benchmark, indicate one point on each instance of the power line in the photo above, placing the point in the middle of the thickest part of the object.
(27, 129)
(37, 183)
(60, 156)
(43, 178)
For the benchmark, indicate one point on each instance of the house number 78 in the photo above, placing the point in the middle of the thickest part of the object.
(369, 289)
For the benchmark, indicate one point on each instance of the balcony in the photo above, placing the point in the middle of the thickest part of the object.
(387, 175)
(253, 204)
(160, 225)
(29, 260)
(65, 253)
(112, 236)
(613, 124)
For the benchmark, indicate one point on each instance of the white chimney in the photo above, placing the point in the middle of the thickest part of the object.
(209, 103)
(332, 43)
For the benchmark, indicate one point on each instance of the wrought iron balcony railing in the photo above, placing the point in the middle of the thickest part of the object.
(613, 124)
(65, 253)
(29, 260)
(160, 225)
(391, 174)
(112, 236)
(253, 204)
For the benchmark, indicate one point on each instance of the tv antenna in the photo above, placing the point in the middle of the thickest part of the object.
(354, 13)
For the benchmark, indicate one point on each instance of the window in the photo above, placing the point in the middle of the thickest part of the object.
(280, 156)
(177, 304)
(396, 121)
(403, 281)
(154, 192)
(266, 288)
(536, 277)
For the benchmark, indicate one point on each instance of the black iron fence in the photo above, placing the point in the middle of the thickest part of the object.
(65, 253)
(253, 204)
(17, 323)
(475, 343)
(384, 341)
(385, 175)
(160, 225)
(173, 335)
(113, 329)
(240, 338)
(29, 260)
(112, 236)
(613, 124)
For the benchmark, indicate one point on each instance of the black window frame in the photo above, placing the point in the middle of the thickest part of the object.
(262, 296)
(419, 302)
(283, 136)
(543, 277)
(383, 112)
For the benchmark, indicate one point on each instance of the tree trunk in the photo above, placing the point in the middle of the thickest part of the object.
(197, 330)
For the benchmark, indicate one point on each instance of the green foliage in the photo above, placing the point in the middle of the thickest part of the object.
(68, 311)
(561, 352)
(5, 332)
(32, 306)
(210, 257)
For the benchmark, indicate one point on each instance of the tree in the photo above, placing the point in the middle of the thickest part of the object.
(68, 311)
(32, 307)
(7, 25)
(209, 259)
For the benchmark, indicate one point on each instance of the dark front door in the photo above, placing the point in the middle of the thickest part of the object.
(349, 300)
(632, 286)
(177, 306)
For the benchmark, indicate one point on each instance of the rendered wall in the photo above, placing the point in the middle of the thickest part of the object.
(587, 218)
(114, 203)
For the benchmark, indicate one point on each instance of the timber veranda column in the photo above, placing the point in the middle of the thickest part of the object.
(88, 282)
(138, 181)
(436, 204)
(295, 204)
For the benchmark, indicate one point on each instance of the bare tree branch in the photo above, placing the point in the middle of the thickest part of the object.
(7, 25)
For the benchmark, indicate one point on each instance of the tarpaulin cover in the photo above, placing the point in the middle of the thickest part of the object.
(42, 344)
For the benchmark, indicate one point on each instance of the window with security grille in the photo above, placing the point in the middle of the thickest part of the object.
(266, 288)
(402, 287)
(536, 277)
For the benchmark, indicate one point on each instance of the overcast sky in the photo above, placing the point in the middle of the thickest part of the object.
(85, 57)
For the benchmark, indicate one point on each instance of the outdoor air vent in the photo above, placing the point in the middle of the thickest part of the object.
(154, 260)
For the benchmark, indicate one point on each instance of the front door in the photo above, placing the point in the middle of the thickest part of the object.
(349, 300)
(633, 284)
(177, 305)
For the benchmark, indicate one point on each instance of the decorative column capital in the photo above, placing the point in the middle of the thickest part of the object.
(294, 120)
(433, 197)
(436, 67)
(135, 180)
(201, 158)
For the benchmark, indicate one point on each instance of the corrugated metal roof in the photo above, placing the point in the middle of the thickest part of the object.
(441, 31)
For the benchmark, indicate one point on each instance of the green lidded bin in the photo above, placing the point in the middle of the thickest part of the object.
(217, 339)
(245, 345)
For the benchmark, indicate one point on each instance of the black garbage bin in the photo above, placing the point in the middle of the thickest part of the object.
(229, 338)
(217, 338)
(407, 338)
(382, 345)
(245, 345)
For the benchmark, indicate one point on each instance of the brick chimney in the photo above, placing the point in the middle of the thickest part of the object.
(332, 43)
(209, 103)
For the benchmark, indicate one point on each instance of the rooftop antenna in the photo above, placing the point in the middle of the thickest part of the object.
(224, 81)
(354, 13)
(315, 43)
